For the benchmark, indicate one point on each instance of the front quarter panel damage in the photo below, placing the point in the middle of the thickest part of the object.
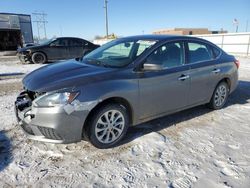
(80, 106)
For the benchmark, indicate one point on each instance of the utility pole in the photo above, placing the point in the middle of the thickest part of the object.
(40, 20)
(247, 26)
(61, 31)
(236, 23)
(106, 17)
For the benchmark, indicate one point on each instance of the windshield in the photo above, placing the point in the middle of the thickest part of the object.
(118, 53)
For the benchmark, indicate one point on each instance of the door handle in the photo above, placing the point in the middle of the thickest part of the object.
(216, 71)
(183, 77)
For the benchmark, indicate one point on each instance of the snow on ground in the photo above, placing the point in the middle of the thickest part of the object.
(194, 148)
(13, 65)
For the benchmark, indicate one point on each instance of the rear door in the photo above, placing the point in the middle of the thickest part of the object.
(76, 47)
(203, 72)
(165, 90)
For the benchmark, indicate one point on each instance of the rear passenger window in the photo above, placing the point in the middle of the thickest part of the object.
(216, 52)
(75, 43)
(198, 52)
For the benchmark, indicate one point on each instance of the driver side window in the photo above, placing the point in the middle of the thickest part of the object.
(168, 55)
(60, 42)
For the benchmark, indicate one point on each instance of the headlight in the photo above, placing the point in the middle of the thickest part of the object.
(25, 52)
(55, 99)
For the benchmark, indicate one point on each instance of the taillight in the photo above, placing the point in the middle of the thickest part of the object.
(237, 63)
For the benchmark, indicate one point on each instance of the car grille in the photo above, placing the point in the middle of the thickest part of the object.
(27, 129)
(50, 133)
(33, 95)
(25, 98)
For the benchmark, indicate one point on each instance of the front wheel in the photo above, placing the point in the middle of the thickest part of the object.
(108, 126)
(220, 96)
(38, 58)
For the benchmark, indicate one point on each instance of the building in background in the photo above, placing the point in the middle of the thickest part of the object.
(187, 31)
(15, 30)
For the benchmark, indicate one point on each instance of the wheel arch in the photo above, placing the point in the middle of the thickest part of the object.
(111, 100)
(227, 80)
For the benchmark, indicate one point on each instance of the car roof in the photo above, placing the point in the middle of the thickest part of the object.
(157, 37)
(69, 38)
(73, 38)
(162, 37)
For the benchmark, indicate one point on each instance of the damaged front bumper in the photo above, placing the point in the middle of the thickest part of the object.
(24, 58)
(62, 124)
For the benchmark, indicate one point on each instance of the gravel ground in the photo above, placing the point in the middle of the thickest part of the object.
(193, 148)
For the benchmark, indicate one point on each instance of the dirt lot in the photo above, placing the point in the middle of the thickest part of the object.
(194, 148)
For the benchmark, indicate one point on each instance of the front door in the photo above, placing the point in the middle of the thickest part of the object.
(165, 90)
(58, 50)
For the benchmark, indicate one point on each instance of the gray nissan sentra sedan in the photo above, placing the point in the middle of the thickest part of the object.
(123, 83)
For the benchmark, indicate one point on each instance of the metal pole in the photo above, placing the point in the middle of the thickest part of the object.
(247, 26)
(61, 31)
(222, 41)
(237, 28)
(38, 31)
(248, 47)
(41, 23)
(44, 27)
(106, 17)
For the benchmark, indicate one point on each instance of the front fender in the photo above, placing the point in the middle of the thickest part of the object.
(125, 89)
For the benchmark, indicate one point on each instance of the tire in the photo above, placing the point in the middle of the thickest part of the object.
(38, 58)
(101, 131)
(220, 96)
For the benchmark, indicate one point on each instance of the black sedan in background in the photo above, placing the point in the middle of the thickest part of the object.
(56, 49)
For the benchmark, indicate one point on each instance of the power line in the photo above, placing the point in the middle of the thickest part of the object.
(40, 20)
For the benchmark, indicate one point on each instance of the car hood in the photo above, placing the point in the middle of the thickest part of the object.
(62, 75)
(19, 50)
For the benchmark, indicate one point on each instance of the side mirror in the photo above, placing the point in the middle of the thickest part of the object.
(127, 44)
(152, 67)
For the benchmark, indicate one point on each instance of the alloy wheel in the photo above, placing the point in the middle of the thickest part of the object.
(220, 95)
(109, 126)
(39, 58)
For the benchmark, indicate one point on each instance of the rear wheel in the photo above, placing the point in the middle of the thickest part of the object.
(220, 96)
(108, 126)
(38, 58)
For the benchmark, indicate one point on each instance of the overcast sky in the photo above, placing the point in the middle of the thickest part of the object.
(85, 18)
